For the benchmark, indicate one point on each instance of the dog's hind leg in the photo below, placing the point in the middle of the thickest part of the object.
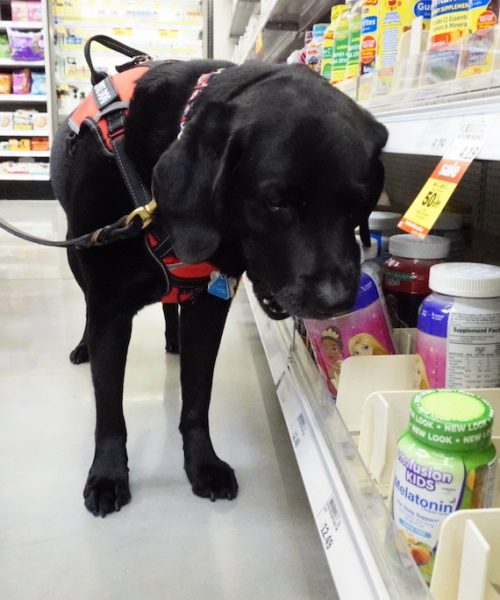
(201, 327)
(171, 314)
(109, 330)
(80, 354)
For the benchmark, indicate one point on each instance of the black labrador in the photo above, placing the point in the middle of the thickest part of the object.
(273, 172)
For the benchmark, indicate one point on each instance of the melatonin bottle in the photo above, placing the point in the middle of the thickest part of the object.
(445, 461)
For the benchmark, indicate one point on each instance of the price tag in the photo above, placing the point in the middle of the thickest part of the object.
(434, 137)
(259, 43)
(329, 522)
(438, 189)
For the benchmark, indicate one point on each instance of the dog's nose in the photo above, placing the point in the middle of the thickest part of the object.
(332, 296)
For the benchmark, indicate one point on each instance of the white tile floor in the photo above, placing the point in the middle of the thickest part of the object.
(166, 544)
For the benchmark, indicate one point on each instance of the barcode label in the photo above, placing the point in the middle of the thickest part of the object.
(302, 423)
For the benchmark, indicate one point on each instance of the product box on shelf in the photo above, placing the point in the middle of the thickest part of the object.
(395, 19)
(478, 51)
(6, 120)
(26, 10)
(5, 83)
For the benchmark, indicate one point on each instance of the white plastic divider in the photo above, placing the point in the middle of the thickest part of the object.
(362, 375)
(468, 557)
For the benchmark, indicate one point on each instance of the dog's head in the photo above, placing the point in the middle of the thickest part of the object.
(287, 169)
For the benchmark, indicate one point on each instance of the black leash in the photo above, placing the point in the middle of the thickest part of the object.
(126, 227)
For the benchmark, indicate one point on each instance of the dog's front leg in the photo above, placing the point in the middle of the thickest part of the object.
(201, 327)
(107, 487)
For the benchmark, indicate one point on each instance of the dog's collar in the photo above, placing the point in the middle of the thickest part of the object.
(201, 84)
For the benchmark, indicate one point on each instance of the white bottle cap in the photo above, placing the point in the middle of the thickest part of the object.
(380, 220)
(449, 222)
(469, 280)
(410, 246)
(367, 253)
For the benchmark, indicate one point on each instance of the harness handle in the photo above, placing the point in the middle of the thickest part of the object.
(108, 42)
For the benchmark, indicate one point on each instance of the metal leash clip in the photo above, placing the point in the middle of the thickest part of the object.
(146, 213)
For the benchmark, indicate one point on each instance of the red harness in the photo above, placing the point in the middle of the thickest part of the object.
(184, 280)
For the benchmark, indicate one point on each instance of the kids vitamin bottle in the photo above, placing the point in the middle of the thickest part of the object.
(458, 335)
(364, 330)
(445, 461)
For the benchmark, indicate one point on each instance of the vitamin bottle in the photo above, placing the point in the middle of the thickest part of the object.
(458, 334)
(445, 461)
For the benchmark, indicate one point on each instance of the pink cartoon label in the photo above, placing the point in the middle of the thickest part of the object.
(362, 332)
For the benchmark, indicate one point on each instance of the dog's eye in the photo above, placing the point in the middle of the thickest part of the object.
(276, 203)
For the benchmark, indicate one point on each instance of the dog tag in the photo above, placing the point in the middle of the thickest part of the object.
(221, 285)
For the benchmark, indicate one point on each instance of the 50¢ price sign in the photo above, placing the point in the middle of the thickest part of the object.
(437, 190)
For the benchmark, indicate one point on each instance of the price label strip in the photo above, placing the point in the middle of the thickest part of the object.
(438, 189)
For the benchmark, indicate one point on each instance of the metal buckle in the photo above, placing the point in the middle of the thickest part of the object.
(146, 213)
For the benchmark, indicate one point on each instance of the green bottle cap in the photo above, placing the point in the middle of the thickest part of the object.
(451, 420)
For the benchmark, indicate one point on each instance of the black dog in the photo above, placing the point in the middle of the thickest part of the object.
(273, 172)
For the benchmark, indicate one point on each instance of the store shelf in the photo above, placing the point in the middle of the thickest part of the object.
(16, 153)
(24, 133)
(19, 177)
(242, 12)
(353, 523)
(282, 23)
(425, 120)
(21, 25)
(8, 62)
(23, 98)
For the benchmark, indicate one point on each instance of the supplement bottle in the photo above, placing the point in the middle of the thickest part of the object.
(458, 335)
(354, 40)
(327, 52)
(383, 224)
(445, 461)
(480, 48)
(340, 45)
(449, 25)
(313, 49)
(364, 330)
(369, 36)
(406, 274)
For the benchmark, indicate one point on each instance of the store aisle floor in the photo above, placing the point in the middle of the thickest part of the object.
(167, 543)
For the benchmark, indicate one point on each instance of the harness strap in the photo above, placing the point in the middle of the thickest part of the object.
(104, 40)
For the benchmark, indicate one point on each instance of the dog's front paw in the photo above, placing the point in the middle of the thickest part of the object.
(213, 480)
(172, 346)
(106, 494)
(80, 354)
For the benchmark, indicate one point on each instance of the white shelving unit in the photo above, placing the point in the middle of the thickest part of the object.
(9, 103)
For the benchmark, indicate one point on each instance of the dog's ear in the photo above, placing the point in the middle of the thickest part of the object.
(377, 136)
(189, 182)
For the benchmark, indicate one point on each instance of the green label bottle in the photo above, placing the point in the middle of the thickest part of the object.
(354, 41)
(340, 45)
(445, 462)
